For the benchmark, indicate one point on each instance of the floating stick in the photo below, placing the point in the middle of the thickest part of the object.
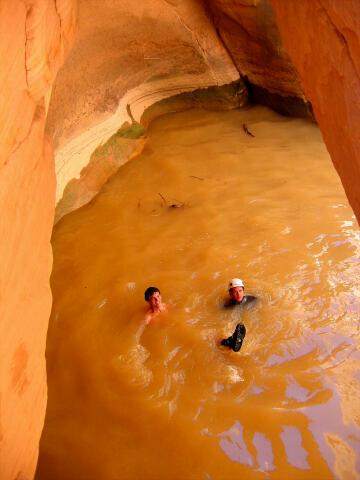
(246, 130)
(162, 198)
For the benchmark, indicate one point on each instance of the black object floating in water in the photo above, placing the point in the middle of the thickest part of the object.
(235, 341)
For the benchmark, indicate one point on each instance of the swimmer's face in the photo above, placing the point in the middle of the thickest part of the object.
(155, 299)
(237, 293)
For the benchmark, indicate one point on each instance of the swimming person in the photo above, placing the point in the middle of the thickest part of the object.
(236, 293)
(157, 306)
(237, 298)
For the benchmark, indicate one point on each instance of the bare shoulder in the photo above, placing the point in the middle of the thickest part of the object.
(147, 318)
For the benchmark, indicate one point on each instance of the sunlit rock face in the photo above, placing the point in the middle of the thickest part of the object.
(323, 40)
(35, 37)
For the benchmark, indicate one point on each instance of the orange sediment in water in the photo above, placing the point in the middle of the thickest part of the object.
(204, 203)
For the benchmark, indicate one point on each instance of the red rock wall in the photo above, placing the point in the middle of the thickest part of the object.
(35, 36)
(322, 38)
(249, 31)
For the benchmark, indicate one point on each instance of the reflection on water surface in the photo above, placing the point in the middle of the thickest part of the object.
(167, 402)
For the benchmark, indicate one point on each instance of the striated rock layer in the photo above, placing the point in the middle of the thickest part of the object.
(323, 40)
(36, 35)
(125, 144)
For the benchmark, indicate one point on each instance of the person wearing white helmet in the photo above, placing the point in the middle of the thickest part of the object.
(237, 297)
(236, 293)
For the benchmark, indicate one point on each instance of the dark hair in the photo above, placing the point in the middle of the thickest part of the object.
(149, 291)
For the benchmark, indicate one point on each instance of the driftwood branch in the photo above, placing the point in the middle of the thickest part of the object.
(246, 130)
(171, 205)
(162, 198)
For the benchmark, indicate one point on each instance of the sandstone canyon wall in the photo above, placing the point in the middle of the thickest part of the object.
(251, 36)
(35, 37)
(323, 40)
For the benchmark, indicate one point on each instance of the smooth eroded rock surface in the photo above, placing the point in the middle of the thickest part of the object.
(323, 40)
(35, 37)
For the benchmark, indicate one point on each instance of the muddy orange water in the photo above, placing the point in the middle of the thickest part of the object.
(166, 401)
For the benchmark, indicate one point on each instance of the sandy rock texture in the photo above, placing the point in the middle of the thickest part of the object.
(323, 41)
(35, 37)
(121, 147)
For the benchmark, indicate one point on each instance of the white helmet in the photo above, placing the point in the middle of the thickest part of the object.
(236, 282)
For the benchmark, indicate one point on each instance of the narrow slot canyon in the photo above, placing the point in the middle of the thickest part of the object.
(179, 145)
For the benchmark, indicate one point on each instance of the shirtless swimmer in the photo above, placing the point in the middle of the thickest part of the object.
(156, 305)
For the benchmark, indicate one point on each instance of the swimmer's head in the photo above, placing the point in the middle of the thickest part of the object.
(149, 292)
(236, 289)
